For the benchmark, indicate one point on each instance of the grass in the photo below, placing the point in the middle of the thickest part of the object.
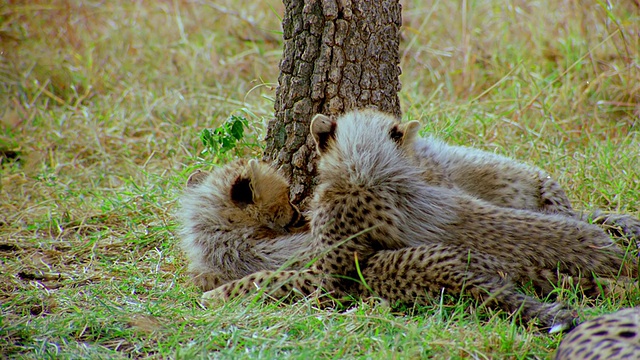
(103, 103)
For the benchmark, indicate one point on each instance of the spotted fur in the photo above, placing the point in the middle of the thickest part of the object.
(237, 220)
(372, 204)
(613, 336)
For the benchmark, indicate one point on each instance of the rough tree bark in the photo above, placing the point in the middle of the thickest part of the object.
(338, 55)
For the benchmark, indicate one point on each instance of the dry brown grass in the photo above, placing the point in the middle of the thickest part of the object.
(102, 103)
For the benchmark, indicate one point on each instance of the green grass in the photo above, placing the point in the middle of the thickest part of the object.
(104, 103)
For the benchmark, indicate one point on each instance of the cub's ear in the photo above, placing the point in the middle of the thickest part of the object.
(196, 178)
(323, 130)
(254, 169)
(411, 129)
(242, 192)
(255, 172)
(405, 133)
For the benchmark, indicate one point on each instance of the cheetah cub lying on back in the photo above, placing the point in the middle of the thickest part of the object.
(238, 220)
(413, 239)
(612, 337)
(501, 181)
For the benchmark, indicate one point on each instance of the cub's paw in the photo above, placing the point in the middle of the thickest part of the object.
(618, 225)
(565, 321)
(558, 318)
(206, 280)
(215, 297)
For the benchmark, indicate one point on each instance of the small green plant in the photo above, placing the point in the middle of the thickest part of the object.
(228, 136)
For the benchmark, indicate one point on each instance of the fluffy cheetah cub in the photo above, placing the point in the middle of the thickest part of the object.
(612, 337)
(412, 239)
(366, 181)
(501, 181)
(237, 220)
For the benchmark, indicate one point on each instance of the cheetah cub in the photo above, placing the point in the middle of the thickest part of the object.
(371, 208)
(367, 181)
(237, 220)
(613, 336)
(501, 181)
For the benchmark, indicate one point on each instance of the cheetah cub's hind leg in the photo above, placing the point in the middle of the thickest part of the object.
(409, 276)
(613, 336)
(417, 275)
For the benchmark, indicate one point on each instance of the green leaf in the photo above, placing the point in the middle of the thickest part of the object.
(237, 127)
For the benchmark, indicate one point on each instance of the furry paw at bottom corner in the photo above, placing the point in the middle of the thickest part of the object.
(213, 298)
(565, 321)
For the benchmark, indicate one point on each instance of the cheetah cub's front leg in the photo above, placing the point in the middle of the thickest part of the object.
(291, 285)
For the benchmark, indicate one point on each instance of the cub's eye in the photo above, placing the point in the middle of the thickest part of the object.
(297, 220)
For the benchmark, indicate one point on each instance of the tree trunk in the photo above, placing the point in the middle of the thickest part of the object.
(338, 55)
